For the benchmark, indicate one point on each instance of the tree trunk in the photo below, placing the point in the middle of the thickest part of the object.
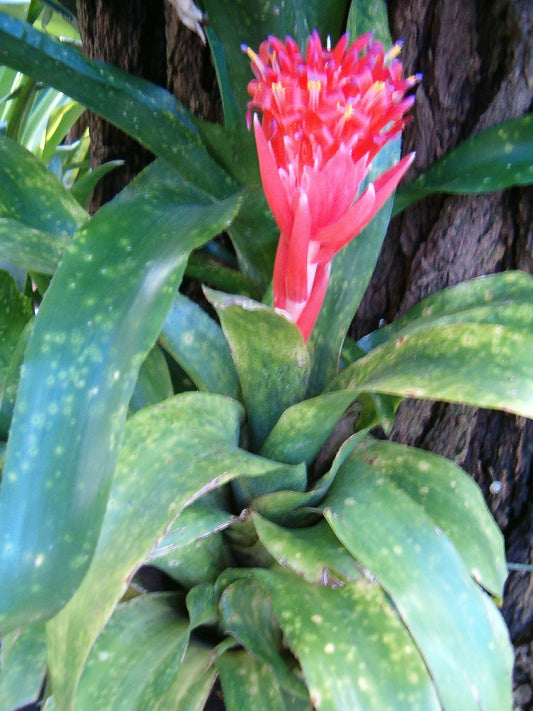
(477, 61)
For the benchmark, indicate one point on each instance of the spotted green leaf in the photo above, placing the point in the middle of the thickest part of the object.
(465, 645)
(247, 683)
(479, 364)
(347, 641)
(143, 110)
(246, 613)
(450, 498)
(505, 299)
(100, 316)
(15, 323)
(136, 657)
(270, 357)
(494, 159)
(23, 664)
(31, 195)
(198, 430)
(197, 343)
(313, 552)
(153, 381)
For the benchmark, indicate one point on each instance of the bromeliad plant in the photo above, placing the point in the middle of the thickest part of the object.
(304, 562)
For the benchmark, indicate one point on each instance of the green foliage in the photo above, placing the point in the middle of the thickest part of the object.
(495, 159)
(306, 564)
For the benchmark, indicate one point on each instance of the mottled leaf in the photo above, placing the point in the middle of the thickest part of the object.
(505, 299)
(494, 159)
(270, 357)
(347, 641)
(23, 664)
(197, 343)
(477, 364)
(313, 552)
(100, 316)
(450, 498)
(134, 660)
(30, 194)
(172, 454)
(248, 683)
(246, 613)
(466, 649)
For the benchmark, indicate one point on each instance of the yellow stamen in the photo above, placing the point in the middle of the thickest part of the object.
(377, 87)
(394, 51)
(314, 85)
(277, 88)
(348, 112)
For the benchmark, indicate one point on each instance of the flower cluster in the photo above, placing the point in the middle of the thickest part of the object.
(324, 118)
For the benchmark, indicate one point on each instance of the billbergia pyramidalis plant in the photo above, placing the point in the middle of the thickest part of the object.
(198, 502)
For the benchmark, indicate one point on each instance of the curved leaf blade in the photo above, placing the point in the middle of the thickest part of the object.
(145, 111)
(173, 454)
(95, 326)
(347, 641)
(197, 343)
(270, 356)
(450, 498)
(505, 299)
(30, 194)
(466, 649)
(476, 364)
(494, 159)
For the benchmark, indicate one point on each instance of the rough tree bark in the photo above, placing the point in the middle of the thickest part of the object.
(477, 61)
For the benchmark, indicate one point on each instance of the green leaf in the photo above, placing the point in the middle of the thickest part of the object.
(248, 683)
(30, 194)
(197, 343)
(202, 518)
(16, 310)
(494, 159)
(15, 325)
(134, 660)
(23, 663)
(270, 356)
(301, 508)
(83, 187)
(450, 498)
(477, 364)
(354, 651)
(192, 683)
(100, 316)
(254, 235)
(466, 648)
(505, 299)
(196, 563)
(30, 248)
(314, 552)
(372, 17)
(247, 615)
(198, 430)
(153, 382)
(302, 429)
(145, 111)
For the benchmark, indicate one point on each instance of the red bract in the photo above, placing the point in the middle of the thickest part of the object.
(324, 118)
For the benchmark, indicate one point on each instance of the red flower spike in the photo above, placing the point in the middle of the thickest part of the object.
(324, 118)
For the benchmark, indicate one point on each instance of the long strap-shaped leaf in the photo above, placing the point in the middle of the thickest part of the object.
(143, 110)
(100, 316)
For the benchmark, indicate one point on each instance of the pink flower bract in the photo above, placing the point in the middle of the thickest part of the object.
(324, 118)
